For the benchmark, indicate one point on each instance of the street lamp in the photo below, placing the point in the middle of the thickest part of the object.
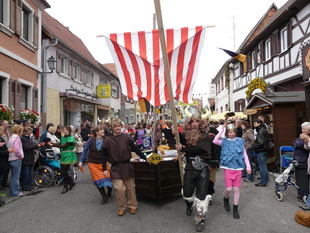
(51, 62)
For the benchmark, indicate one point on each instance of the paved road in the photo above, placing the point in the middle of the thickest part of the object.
(79, 210)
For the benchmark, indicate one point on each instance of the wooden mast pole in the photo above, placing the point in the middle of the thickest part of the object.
(168, 78)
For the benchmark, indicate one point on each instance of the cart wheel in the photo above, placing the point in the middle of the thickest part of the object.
(304, 198)
(279, 196)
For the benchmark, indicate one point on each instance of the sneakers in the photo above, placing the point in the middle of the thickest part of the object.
(200, 226)
(304, 207)
(246, 180)
(261, 185)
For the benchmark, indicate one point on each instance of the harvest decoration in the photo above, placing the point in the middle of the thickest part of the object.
(7, 113)
(29, 114)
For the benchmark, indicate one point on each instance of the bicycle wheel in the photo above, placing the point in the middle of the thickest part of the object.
(43, 176)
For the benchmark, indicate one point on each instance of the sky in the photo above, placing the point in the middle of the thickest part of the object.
(233, 20)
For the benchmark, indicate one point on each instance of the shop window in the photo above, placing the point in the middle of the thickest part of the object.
(284, 39)
(267, 49)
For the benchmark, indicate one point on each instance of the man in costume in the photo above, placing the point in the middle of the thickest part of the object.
(195, 143)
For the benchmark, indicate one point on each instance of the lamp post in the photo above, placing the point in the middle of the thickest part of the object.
(51, 62)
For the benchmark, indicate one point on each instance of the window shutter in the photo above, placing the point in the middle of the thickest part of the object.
(12, 93)
(92, 79)
(58, 64)
(18, 88)
(13, 15)
(35, 93)
(289, 35)
(73, 70)
(261, 52)
(236, 106)
(83, 75)
(248, 61)
(35, 30)
(18, 18)
(242, 104)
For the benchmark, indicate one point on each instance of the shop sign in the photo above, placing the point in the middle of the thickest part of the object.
(195, 103)
(307, 59)
(104, 91)
(257, 83)
(155, 158)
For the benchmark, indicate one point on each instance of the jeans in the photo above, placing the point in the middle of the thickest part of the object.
(196, 179)
(26, 177)
(15, 171)
(261, 159)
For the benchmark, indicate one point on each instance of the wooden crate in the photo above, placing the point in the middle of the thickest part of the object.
(157, 181)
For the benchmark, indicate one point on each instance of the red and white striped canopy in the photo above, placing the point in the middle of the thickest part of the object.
(139, 64)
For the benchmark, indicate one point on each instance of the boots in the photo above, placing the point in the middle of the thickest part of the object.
(226, 204)
(65, 189)
(72, 184)
(109, 192)
(103, 194)
(235, 212)
(189, 208)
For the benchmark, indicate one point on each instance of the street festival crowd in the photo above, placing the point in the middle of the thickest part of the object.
(232, 144)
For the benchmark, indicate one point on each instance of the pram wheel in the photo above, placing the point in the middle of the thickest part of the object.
(279, 196)
(57, 182)
(43, 176)
(304, 198)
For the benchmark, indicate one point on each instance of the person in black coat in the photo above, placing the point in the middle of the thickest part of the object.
(29, 147)
(4, 156)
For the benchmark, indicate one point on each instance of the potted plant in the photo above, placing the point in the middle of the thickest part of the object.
(30, 114)
(6, 113)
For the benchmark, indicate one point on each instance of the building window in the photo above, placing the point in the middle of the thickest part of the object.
(26, 23)
(102, 81)
(88, 78)
(78, 73)
(267, 49)
(64, 61)
(24, 97)
(114, 91)
(284, 41)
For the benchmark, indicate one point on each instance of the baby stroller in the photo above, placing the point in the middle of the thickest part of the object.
(284, 180)
(48, 169)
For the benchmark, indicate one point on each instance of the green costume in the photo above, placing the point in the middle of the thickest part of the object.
(67, 154)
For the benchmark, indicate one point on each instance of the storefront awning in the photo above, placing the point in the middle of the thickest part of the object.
(77, 98)
(260, 100)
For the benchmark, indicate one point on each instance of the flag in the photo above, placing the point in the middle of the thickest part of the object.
(140, 67)
(144, 105)
(239, 56)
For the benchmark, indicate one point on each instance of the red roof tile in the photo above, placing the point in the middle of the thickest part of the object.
(111, 67)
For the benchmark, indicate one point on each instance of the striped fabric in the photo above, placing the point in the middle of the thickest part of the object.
(139, 64)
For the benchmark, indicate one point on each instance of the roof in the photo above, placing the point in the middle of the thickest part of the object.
(273, 98)
(111, 67)
(281, 16)
(67, 38)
